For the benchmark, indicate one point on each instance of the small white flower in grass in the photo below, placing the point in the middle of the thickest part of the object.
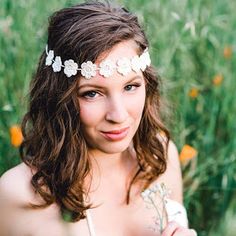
(56, 66)
(88, 69)
(7, 107)
(49, 58)
(124, 66)
(106, 68)
(145, 60)
(190, 26)
(175, 15)
(71, 68)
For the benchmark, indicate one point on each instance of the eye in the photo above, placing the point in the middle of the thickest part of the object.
(132, 87)
(90, 94)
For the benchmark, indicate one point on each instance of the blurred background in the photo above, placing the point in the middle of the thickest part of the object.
(193, 47)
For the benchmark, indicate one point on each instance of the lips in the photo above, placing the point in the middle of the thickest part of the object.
(115, 135)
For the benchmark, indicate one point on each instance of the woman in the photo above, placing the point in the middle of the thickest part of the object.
(92, 150)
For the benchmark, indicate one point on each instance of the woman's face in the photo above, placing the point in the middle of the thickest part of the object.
(111, 108)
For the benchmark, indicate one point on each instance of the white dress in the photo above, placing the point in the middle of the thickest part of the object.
(175, 211)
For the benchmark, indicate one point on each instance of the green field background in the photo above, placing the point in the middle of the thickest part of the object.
(191, 42)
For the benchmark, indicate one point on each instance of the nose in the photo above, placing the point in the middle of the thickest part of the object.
(116, 110)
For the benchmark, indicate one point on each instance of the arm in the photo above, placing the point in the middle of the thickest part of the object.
(172, 176)
(174, 173)
(6, 205)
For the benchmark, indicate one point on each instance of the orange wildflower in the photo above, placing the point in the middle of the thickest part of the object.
(187, 153)
(228, 52)
(217, 80)
(193, 93)
(16, 135)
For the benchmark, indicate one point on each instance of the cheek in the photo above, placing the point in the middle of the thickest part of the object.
(90, 114)
(137, 104)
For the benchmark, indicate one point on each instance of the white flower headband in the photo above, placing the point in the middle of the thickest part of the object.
(105, 68)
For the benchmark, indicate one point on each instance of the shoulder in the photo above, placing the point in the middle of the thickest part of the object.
(172, 156)
(172, 177)
(15, 184)
(16, 188)
(172, 152)
(15, 192)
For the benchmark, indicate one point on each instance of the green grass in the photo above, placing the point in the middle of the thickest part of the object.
(187, 40)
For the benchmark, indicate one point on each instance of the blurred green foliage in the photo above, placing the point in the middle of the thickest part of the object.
(192, 44)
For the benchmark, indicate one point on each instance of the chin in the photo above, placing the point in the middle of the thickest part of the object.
(113, 147)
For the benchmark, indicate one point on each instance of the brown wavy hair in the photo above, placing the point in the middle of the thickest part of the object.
(54, 146)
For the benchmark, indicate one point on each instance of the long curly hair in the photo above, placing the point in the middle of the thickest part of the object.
(54, 145)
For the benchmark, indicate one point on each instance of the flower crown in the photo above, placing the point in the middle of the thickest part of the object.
(106, 67)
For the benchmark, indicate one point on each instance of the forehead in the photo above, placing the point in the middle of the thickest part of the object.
(127, 49)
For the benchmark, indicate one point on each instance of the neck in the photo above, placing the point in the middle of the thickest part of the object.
(110, 175)
(107, 164)
(112, 167)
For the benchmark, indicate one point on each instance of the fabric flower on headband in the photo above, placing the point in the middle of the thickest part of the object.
(145, 60)
(124, 66)
(49, 59)
(136, 63)
(88, 69)
(70, 68)
(106, 68)
(56, 66)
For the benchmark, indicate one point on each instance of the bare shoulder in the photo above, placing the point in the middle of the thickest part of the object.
(172, 152)
(173, 176)
(15, 184)
(15, 192)
(173, 156)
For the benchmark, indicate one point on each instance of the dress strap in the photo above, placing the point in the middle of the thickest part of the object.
(90, 223)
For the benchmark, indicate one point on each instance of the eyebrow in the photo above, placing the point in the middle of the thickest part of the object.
(100, 86)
